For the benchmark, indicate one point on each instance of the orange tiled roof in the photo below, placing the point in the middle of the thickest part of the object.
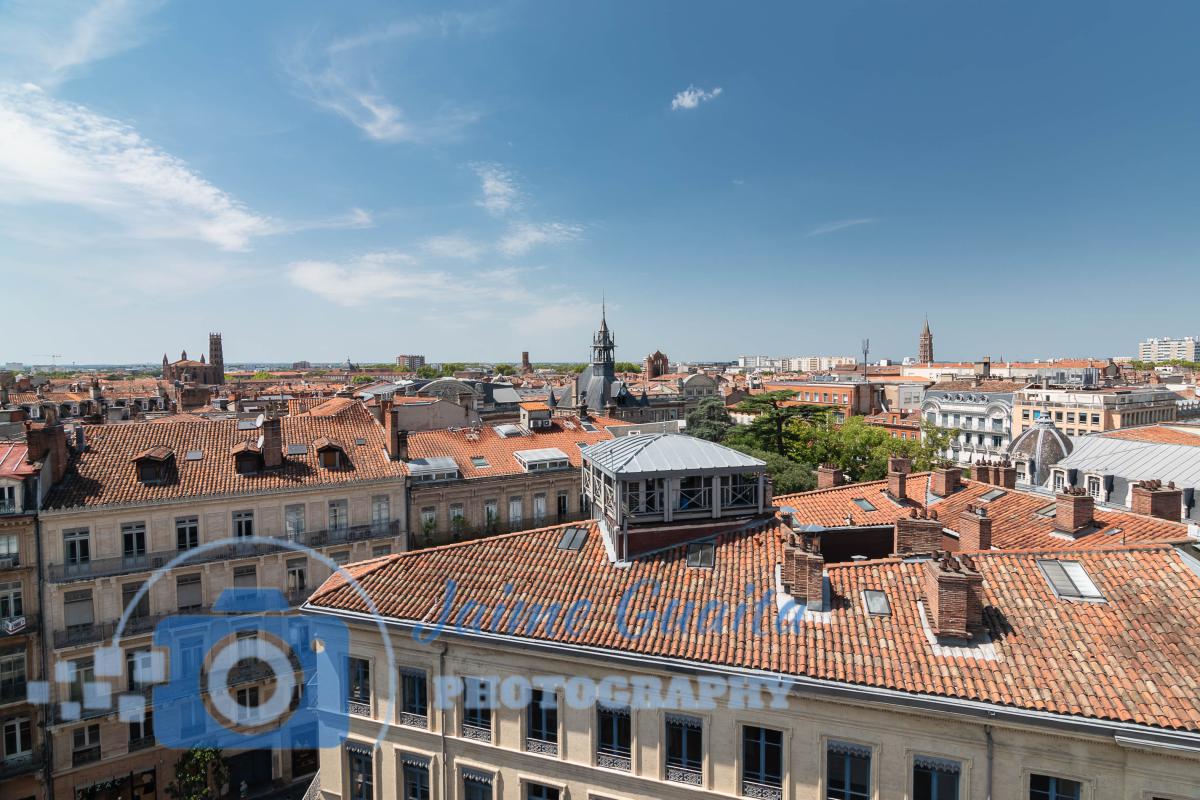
(13, 463)
(1015, 523)
(1130, 659)
(1157, 434)
(104, 473)
(499, 450)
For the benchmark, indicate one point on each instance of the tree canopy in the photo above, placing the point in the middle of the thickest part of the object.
(200, 774)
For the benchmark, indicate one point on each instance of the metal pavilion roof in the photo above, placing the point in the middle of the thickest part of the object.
(667, 454)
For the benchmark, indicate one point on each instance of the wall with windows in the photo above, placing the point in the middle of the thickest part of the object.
(516, 501)
(815, 748)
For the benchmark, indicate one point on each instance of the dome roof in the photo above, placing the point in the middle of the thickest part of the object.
(1043, 444)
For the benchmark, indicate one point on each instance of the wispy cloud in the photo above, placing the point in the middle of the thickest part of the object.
(692, 97)
(838, 225)
(501, 194)
(47, 41)
(453, 246)
(341, 76)
(62, 153)
(525, 236)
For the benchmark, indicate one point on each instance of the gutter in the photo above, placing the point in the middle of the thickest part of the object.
(1125, 734)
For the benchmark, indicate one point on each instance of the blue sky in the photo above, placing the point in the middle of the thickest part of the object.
(325, 180)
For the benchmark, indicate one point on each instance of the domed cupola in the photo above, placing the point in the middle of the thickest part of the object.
(1041, 447)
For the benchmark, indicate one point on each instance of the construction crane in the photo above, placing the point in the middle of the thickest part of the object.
(52, 357)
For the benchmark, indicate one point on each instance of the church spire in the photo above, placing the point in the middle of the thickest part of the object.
(925, 346)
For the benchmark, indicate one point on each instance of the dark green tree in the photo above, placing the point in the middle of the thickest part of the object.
(627, 366)
(505, 369)
(709, 420)
(200, 774)
(775, 411)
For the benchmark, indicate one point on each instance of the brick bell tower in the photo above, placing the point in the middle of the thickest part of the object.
(216, 358)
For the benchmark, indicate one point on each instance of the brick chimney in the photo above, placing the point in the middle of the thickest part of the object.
(946, 481)
(47, 441)
(917, 534)
(897, 478)
(1004, 474)
(974, 530)
(272, 443)
(1074, 510)
(983, 471)
(391, 429)
(953, 596)
(803, 572)
(829, 476)
(1153, 499)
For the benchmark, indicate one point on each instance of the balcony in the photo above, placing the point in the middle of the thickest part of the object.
(13, 691)
(103, 631)
(85, 755)
(540, 746)
(692, 777)
(478, 733)
(614, 759)
(251, 547)
(141, 743)
(19, 764)
(9, 560)
(761, 791)
(18, 626)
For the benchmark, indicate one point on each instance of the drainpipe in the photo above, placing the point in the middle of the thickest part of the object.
(47, 749)
(987, 730)
(441, 724)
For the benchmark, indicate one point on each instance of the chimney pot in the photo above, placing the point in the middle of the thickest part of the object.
(953, 596)
(974, 530)
(946, 481)
(1074, 511)
(1152, 499)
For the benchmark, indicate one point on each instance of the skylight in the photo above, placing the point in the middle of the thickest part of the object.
(701, 554)
(1069, 580)
(864, 504)
(360, 441)
(1047, 511)
(587, 426)
(247, 424)
(573, 539)
(876, 602)
(479, 462)
(507, 430)
(994, 494)
(297, 449)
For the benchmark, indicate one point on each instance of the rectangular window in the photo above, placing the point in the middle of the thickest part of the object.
(1095, 486)
(341, 557)
(542, 717)
(297, 575)
(17, 738)
(477, 704)
(381, 550)
(848, 771)
(1069, 579)
(133, 541)
(187, 533)
(189, 594)
(138, 608)
(243, 524)
(12, 677)
(86, 745)
(564, 504)
(1046, 787)
(359, 689)
(245, 577)
(416, 781)
(10, 548)
(414, 696)
(381, 513)
(539, 508)
(614, 741)
(141, 731)
(476, 787)
(762, 758)
(138, 665)
(12, 601)
(293, 520)
(537, 791)
(77, 609)
(685, 754)
(339, 515)
(491, 513)
(516, 508)
(362, 775)
(429, 518)
(935, 778)
(77, 548)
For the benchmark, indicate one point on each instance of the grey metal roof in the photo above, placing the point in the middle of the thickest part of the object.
(542, 454)
(1135, 460)
(667, 453)
(425, 466)
(505, 394)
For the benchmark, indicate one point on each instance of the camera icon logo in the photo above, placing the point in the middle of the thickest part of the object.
(252, 676)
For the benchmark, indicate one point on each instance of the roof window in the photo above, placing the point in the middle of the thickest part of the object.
(701, 555)
(1069, 580)
(573, 539)
(864, 504)
(876, 602)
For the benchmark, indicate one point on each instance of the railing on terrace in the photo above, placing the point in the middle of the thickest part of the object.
(19, 764)
(251, 547)
(421, 538)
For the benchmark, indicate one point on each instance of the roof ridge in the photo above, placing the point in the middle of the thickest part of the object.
(1169, 544)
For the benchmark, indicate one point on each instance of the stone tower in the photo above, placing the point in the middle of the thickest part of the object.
(216, 358)
(925, 349)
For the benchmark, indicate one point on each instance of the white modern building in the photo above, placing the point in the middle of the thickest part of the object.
(981, 412)
(1167, 349)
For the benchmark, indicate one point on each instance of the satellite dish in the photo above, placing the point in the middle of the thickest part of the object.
(258, 423)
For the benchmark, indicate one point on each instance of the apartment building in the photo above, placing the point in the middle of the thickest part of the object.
(846, 395)
(923, 676)
(410, 363)
(469, 482)
(1078, 412)
(819, 363)
(979, 411)
(1167, 349)
(138, 496)
(22, 752)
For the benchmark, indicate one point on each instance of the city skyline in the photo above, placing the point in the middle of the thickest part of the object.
(341, 183)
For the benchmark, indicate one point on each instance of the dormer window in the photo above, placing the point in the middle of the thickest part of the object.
(435, 468)
(247, 457)
(331, 453)
(154, 465)
(542, 460)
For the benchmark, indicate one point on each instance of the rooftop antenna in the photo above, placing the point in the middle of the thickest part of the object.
(866, 349)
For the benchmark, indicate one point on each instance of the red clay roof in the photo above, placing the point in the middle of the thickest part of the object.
(104, 473)
(1130, 659)
(1014, 521)
(13, 462)
(1158, 434)
(498, 450)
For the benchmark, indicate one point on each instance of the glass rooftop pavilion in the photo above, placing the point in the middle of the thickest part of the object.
(658, 479)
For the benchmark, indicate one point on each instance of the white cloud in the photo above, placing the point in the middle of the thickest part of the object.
(46, 41)
(62, 153)
(500, 192)
(691, 97)
(523, 237)
(837, 225)
(341, 76)
(453, 246)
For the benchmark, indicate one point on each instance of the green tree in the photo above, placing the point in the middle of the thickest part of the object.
(787, 476)
(358, 379)
(627, 366)
(200, 774)
(709, 420)
(427, 372)
(774, 412)
(505, 369)
(263, 375)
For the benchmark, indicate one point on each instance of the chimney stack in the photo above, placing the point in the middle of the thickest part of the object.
(803, 572)
(917, 534)
(272, 443)
(946, 481)
(1153, 499)
(47, 441)
(897, 478)
(974, 530)
(1005, 474)
(1074, 509)
(953, 596)
(401, 445)
(829, 476)
(983, 471)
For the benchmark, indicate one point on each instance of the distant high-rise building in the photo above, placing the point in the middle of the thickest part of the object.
(526, 367)
(1168, 349)
(925, 349)
(410, 363)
